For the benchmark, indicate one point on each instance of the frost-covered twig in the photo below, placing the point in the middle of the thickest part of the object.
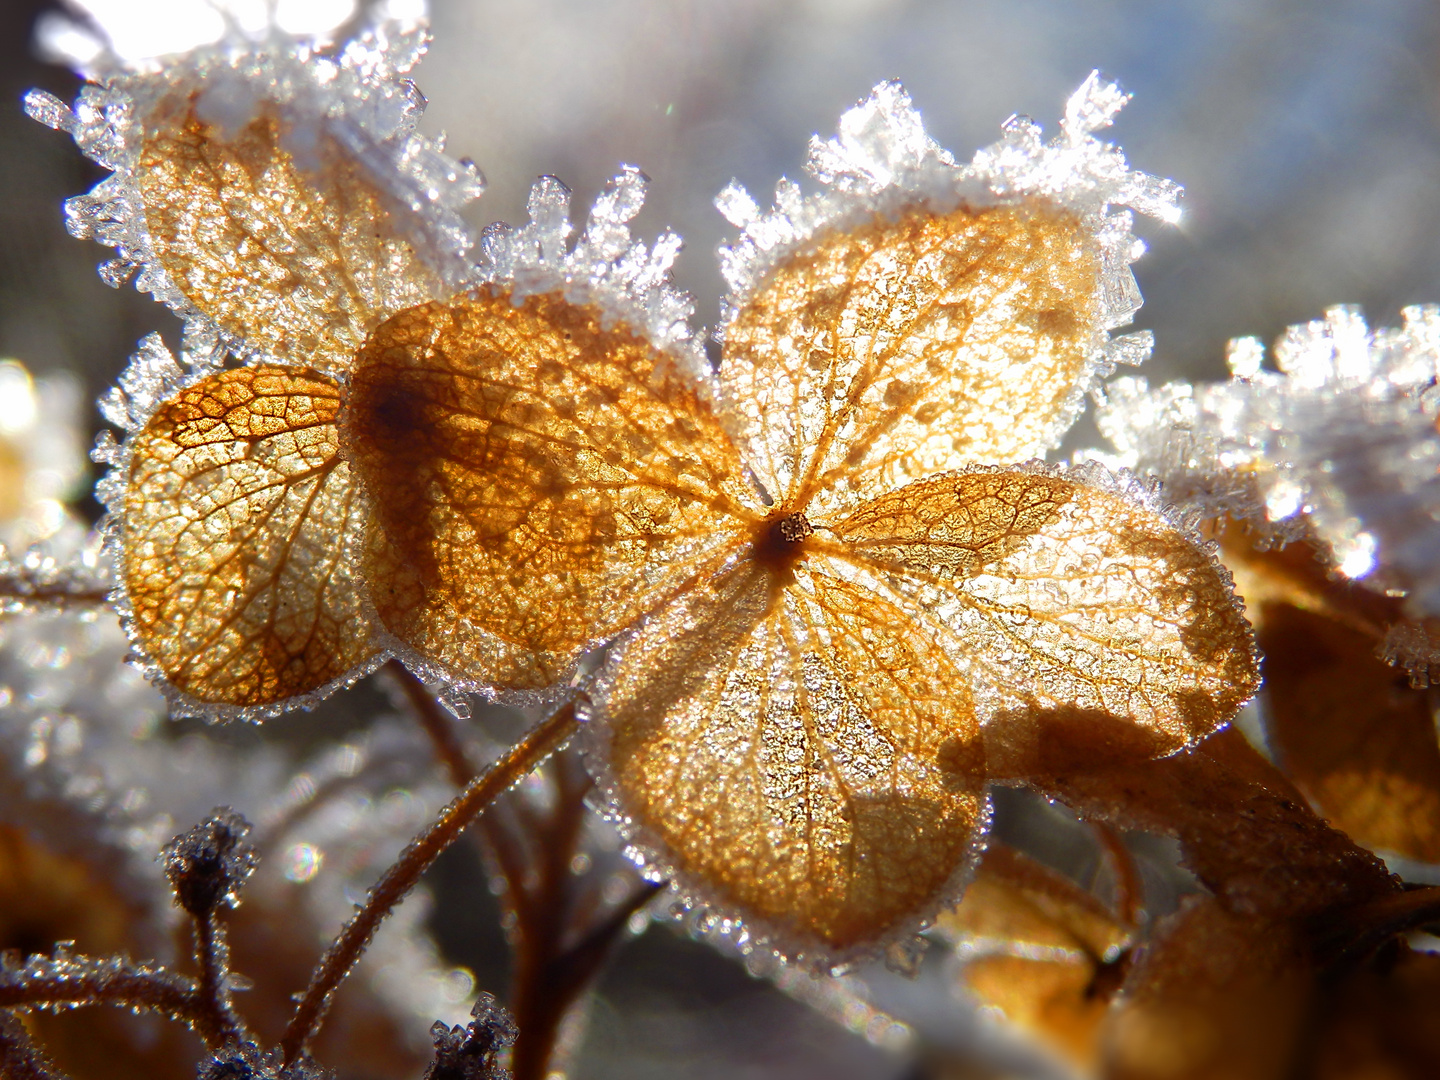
(20, 1058)
(548, 737)
(63, 981)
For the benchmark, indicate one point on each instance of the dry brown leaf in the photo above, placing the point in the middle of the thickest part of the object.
(238, 509)
(538, 482)
(1217, 996)
(1040, 949)
(1243, 828)
(1382, 1022)
(298, 259)
(1352, 733)
(1348, 728)
(902, 348)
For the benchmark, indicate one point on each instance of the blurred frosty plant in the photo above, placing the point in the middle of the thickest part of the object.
(838, 606)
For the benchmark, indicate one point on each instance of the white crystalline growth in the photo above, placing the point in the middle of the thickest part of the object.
(354, 92)
(605, 267)
(1339, 445)
(882, 162)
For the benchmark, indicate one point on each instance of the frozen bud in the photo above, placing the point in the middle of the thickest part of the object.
(208, 865)
(473, 1052)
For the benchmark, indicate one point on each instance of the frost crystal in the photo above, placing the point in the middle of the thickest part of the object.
(1339, 445)
(882, 162)
(353, 93)
(605, 267)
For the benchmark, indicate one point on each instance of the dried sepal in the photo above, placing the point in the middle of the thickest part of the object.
(1217, 995)
(1354, 733)
(1065, 596)
(294, 258)
(1043, 951)
(794, 755)
(902, 271)
(232, 535)
(208, 865)
(537, 479)
(182, 137)
(885, 353)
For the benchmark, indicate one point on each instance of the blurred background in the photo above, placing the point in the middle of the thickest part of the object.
(1306, 132)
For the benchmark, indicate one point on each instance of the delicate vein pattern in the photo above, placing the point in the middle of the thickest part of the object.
(297, 258)
(538, 481)
(798, 753)
(907, 347)
(1065, 595)
(237, 510)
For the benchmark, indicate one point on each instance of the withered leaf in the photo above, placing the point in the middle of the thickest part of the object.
(1218, 996)
(1345, 726)
(901, 348)
(1040, 949)
(1243, 828)
(237, 513)
(296, 256)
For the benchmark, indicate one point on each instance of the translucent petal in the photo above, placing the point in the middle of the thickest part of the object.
(903, 347)
(538, 481)
(233, 538)
(289, 248)
(1070, 602)
(797, 755)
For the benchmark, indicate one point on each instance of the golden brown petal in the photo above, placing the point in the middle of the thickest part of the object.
(1040, 949)
(538, 481)
(299, 258)
(906, 347)
(798, 754)
(237, 512)
(1064, 600)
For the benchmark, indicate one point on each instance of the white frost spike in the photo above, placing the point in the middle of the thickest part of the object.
(353, 93)
(880, 139)
(1340, 446)
(628, 282)
(1092, 107)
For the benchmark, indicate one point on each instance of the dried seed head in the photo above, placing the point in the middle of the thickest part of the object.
(208, 865)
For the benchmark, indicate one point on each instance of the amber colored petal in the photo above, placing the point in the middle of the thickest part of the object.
(1043, 951)
(902, 348)
(796, 755)
(1346, 727)
(1219, 996)
(237, 512)
(1065, 595)
(539, 481)
(297, 258)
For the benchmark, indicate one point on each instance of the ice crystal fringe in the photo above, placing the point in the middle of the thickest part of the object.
(606, 268)
(355, 92)
(882, 162)
(1339, 445)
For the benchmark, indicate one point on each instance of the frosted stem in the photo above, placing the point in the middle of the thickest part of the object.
(414, 861)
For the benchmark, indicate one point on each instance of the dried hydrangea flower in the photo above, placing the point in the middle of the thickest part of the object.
(822, 591)
(1338, 446)
(274, 192)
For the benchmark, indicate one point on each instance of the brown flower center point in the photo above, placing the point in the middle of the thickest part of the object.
(780, 540)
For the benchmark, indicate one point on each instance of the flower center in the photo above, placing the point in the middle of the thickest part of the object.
(780, 540)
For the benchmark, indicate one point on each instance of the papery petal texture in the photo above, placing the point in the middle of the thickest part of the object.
(233, 557)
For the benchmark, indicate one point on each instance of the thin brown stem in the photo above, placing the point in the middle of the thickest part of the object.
(414, 861)
(434, 720)
(212, 995)
(1129, 888)
(52, 597)
(20, 1058)
(99, 982)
